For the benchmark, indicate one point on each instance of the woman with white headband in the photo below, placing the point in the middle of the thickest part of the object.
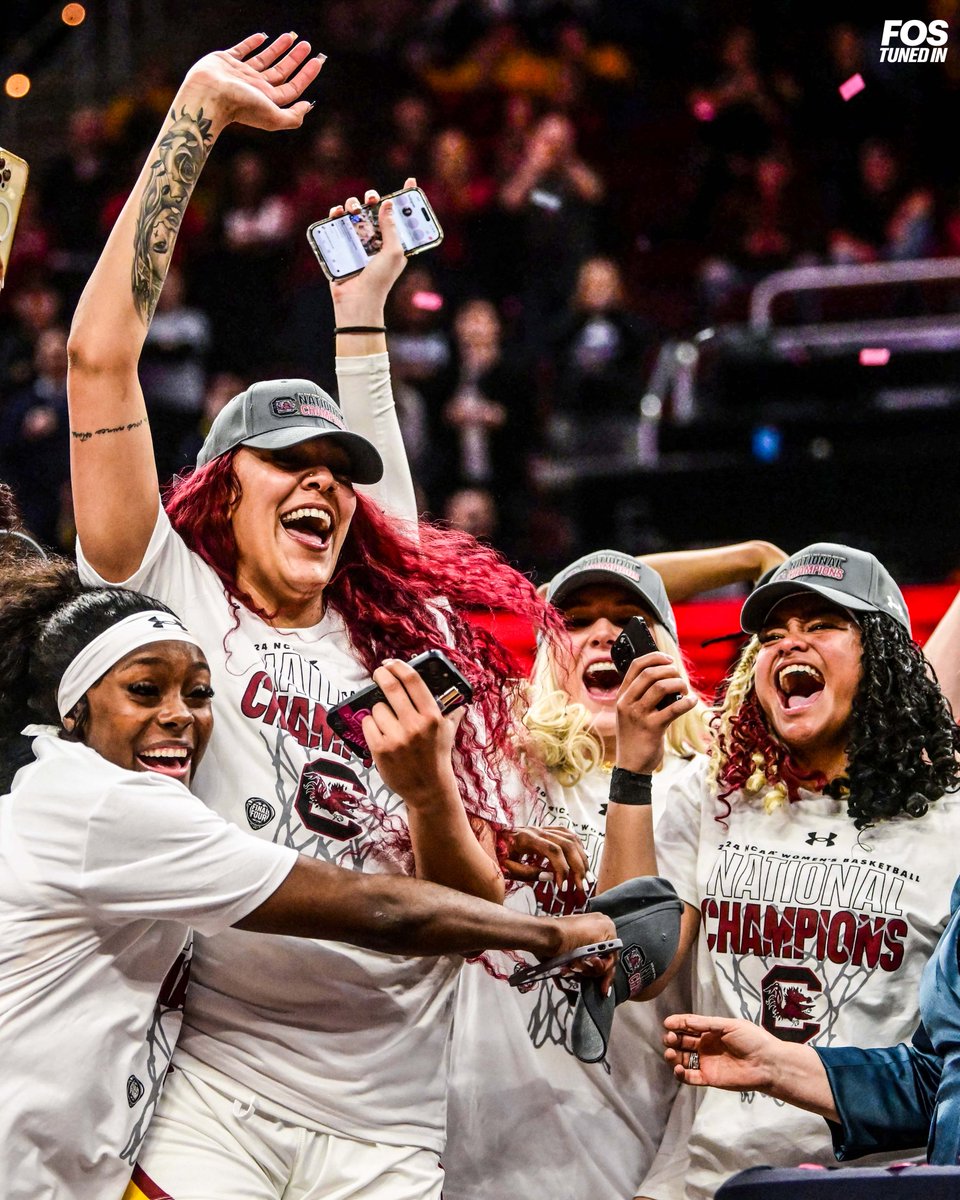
(107, 861)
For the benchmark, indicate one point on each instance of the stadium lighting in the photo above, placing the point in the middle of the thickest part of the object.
(17, 86)
(73, 14)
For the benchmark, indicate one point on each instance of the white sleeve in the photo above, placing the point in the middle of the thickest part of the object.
(157, 852)
(167, 571)
(366, 397)
(667, 1177)
(677, 836)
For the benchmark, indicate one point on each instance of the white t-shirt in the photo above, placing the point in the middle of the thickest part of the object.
(102, 871)
(810, 928)
(342, 1039)
(524, 1114)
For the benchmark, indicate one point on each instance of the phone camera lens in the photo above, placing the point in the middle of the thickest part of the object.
(407, 212)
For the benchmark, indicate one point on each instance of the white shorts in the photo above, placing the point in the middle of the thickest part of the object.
(204, 1144)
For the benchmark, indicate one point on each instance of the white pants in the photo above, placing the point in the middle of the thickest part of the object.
(206, 1145)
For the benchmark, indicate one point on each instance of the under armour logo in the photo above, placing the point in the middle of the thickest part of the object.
(166, 622)
(812, 839)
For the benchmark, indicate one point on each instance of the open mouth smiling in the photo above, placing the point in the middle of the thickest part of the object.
(171, 760)
(601, 680)
(798, 686)
(310, 526)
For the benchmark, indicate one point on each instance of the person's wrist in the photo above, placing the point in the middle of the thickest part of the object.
(634, 788)
(194, 96)
(352, 312)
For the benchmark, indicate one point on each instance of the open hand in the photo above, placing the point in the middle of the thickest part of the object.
(534, 850)
(731, 1054)
(262, 90)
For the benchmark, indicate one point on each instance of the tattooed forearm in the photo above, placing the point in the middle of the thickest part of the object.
(85, 435)
(180, 155)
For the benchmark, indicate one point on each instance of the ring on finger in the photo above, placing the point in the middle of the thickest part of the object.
(694, 1063)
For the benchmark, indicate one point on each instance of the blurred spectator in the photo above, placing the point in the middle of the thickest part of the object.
(325, 175)
(419, 345)
(882, 215)
(72, 190)
(553, 194)
(473, 510)
(403, 151)
(34, 241)
(172, 368)
(771, 223)
(600, 348)
(462, 196)
(256, 229)
(35, 440)
(220, 388)
(483, 430)
(35, 305)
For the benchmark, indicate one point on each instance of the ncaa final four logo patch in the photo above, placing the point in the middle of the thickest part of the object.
(259, 812)
(134, 1090)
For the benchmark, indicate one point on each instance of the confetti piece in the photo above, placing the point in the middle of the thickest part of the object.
(874, 357)
(703, 110)
(853, 85)
(545, 199)
(427, 301)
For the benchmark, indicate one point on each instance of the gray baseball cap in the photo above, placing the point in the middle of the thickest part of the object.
(276, 413)
(851, 578)
(612, 566)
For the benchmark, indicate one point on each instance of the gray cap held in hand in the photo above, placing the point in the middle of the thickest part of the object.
(276, 413)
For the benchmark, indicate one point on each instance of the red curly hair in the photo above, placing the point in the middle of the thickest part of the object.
(398, 596)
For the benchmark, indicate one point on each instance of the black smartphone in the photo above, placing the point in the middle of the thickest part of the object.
(635, 641)
(447, 686)
(344, 245)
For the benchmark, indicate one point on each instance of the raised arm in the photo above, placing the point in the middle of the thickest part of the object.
(363, 369)
(687, 573)
(942, 649)
(115, 485)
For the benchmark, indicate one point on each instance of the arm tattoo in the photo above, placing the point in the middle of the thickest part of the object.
(180, 155)
(85, 435)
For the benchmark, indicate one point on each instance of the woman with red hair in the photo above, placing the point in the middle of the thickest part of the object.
(814, 847)
(301, 586)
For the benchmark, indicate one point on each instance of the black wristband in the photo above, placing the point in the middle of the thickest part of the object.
(630, 787)
(361, 329)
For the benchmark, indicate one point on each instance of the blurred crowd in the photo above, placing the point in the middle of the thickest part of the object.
(606, 175)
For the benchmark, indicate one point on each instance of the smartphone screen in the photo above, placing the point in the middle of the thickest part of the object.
(346, 243)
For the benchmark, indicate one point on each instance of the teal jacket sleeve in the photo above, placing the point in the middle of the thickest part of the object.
(885, 1097)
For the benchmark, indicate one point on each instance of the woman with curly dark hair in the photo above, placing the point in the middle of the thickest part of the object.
(815, 851)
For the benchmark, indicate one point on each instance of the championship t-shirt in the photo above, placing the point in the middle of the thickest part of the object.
(102, 872)
(340, 1038)
(524, 1114)
(812, 929)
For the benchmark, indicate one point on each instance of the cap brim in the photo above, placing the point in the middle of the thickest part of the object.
(602, 575)
(366, 465)
(646, 913)
(760, 603)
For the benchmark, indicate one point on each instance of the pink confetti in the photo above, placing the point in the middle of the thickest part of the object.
(877, 356)
(427, 301)
(853, 85)
(703, 110)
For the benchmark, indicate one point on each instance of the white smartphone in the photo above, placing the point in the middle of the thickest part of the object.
(13, 183)
(344, 245)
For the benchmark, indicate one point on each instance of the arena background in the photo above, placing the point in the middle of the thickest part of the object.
(601, 353)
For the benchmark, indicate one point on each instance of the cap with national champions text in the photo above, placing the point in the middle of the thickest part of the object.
(850, 578)
(276, 413)
(613, 566)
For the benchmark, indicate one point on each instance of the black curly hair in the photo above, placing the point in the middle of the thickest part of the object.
(903, 743)
(47, 616)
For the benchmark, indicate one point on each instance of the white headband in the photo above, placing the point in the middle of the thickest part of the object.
(107, 648)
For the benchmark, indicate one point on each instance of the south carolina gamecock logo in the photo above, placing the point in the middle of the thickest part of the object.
(327, 796)
(790, 995)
